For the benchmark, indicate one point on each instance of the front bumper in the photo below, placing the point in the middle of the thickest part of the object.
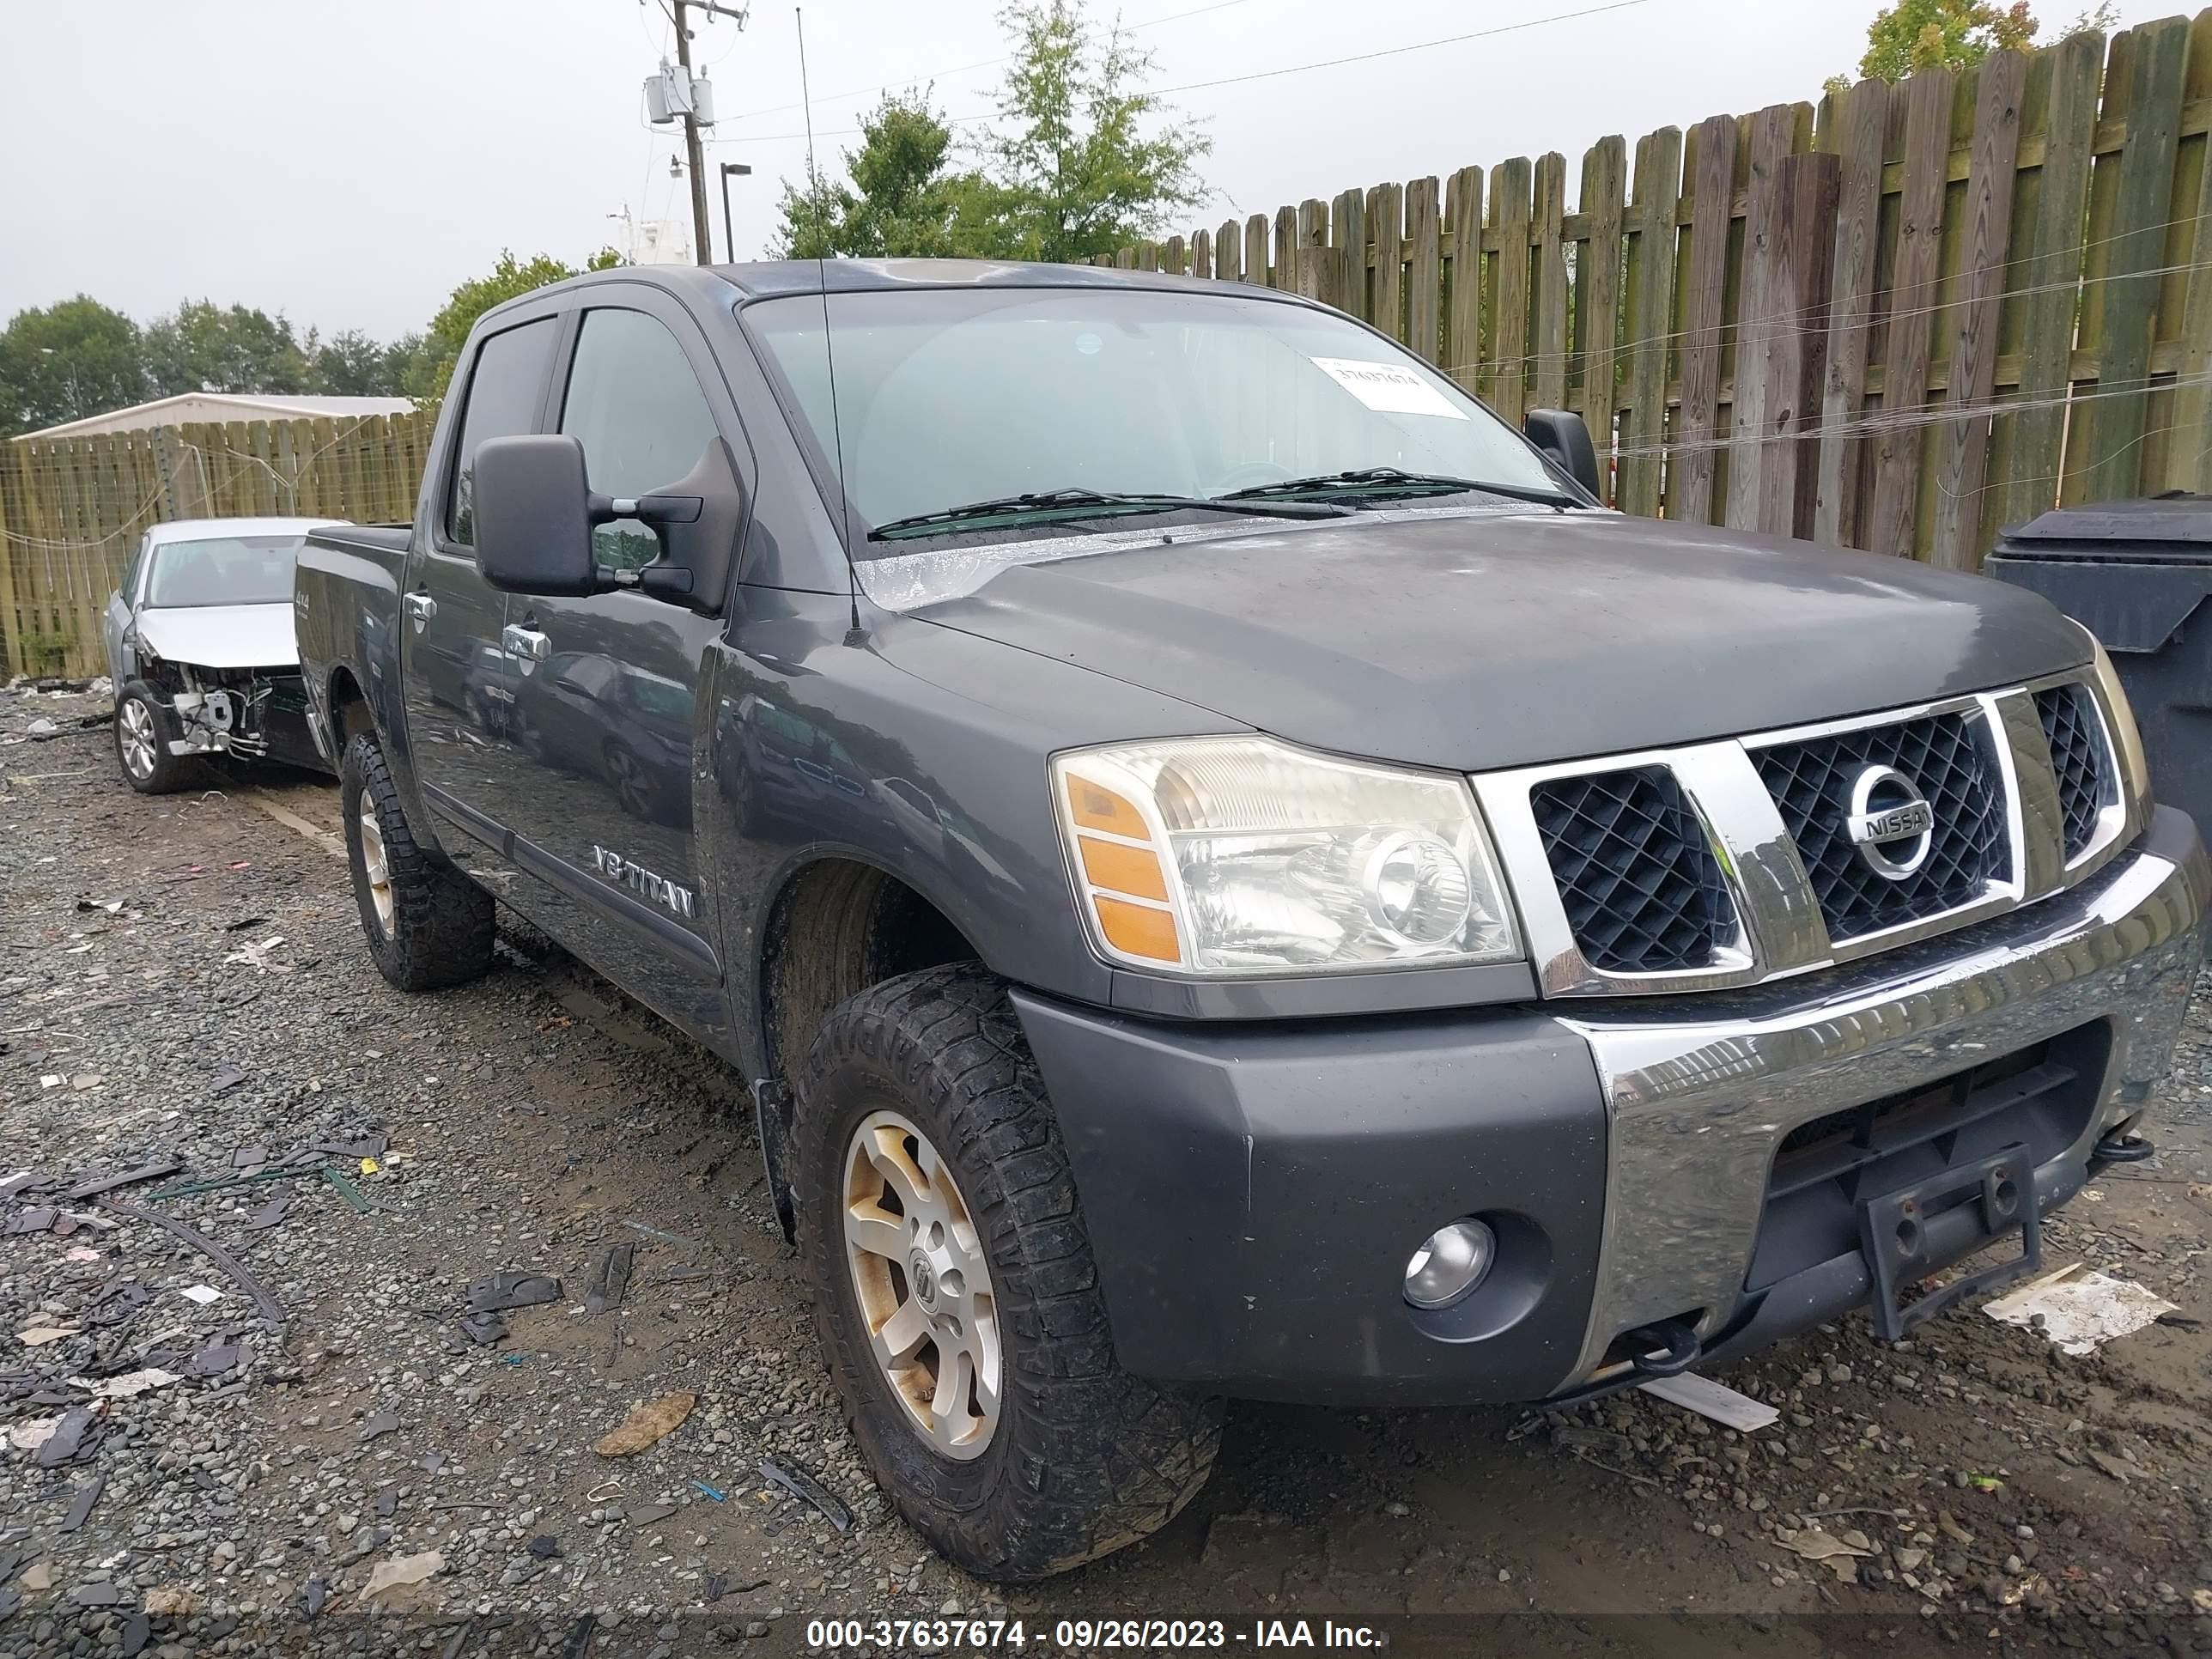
(1253, 1192)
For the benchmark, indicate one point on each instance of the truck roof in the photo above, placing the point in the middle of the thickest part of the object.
(776, 278)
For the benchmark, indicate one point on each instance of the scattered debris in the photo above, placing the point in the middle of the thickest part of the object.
(382, 1423)
(66, 1441)
(401, 1570)
(130, 1384)
(501, 1291)
(171, 1602)
(270, 1214)
(29, 1433)
(312, 1594)
(649, 1513)
(1714, 1400)
(150, 1171)
(607, 1290)
(272, 1308)
(203, 1294)
(484, 1329)
(2079, 1308)
(80, 1509)
(38, 1336)
(646, 1425)
(714, 1492)
(137, 1630)
(545, 1547)
(781, 1471)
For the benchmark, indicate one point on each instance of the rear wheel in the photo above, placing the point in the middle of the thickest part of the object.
(143, 729)
(426, 924)
(956, 1298)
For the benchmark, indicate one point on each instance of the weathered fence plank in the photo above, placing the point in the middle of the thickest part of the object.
(1710, 165)
(2151, 81)
(1510, 202)
(1547, 379)
(1597, 295)
(1424, 269)
(1962, 445)
(1893, 455)
(1639, 486)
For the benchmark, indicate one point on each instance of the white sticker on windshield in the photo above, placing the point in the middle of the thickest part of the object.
(1388, 388)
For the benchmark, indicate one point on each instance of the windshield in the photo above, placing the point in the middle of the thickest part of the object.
(948, 396)
(223, 570)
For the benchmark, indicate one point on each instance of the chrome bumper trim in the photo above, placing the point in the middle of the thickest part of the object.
(1698, 1106)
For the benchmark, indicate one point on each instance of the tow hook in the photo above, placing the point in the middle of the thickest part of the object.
(1668, 1347)
(2122, 1148)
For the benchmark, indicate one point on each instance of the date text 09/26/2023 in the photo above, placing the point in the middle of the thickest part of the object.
(1084, 1635)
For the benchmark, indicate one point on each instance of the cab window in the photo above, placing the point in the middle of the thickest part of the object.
(635, 404)
(502, 402)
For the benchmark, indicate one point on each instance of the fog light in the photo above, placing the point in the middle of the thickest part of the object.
(1451, 1264)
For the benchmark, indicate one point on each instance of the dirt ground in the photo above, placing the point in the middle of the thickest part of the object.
(185, 975)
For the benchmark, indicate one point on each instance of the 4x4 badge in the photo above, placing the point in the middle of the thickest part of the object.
(1891, 823)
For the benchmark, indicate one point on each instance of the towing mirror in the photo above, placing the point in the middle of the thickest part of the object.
(1564, 436)
(533, 517)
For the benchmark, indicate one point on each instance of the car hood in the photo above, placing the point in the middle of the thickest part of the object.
(1506, 640)
(221, 635)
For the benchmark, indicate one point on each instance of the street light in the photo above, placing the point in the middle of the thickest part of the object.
(729, 243)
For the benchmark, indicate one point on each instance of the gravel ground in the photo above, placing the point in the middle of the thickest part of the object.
(184, 979)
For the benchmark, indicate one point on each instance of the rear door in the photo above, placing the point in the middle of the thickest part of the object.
(607, 688)
(460, 683)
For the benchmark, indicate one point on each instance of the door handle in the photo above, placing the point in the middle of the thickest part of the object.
(524, 642)
(422, 606)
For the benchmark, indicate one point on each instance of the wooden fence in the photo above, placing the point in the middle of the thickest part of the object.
(1897, 321)
(71, 509)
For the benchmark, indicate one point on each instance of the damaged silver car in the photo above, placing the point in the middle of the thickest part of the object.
(200, 641)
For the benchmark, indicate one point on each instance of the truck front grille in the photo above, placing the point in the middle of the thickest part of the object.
(1950, 759)
(1641, 888)
(2078, 758)
(1734, 861)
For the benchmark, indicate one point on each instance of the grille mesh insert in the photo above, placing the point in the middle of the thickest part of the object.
(1949, 758)
(2079, 757)
(1641, 888)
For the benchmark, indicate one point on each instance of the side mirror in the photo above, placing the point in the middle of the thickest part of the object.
(533, 517)
(1562, 435)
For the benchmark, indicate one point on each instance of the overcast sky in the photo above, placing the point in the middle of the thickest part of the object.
(348, 164)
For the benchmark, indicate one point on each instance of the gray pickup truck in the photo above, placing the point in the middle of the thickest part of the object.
(1229, 876)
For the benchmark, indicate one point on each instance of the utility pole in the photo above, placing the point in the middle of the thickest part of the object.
(701, 228)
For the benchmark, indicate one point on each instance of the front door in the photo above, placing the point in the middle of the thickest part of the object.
(606, 688)
(458, 680)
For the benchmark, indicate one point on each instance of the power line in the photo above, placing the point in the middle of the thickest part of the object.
(962, 69)
(1288, 69)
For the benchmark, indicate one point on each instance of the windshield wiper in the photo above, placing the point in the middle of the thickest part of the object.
(1049, 506)
(1377, 483)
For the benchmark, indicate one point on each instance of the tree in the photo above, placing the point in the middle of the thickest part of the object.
(432, 364)
(1073, 172)
(66, 361)
(1081, 161)
(351, 364)
(1954, 34)
(205, 347)
(904, 199)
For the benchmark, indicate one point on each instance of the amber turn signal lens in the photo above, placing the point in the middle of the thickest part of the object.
(1137, 930)
(1094, 806)
(1118, 869)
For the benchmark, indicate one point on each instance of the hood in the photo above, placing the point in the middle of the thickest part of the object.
(1495, 640)
(221, 635)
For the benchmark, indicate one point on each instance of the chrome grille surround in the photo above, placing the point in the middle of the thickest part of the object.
(1780, 929)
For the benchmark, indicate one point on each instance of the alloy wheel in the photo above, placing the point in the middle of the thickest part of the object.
(135, 724)
(923, 1283)
(375, 862)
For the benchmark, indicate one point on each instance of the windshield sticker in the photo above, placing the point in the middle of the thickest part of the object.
(1388, 388)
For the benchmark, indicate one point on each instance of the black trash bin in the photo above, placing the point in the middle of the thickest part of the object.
(2137, 574)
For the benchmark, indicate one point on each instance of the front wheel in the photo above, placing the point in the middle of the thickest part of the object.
(426, 924)
(956, 1298)
(143, 728)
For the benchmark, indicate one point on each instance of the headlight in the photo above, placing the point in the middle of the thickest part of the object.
(1236, 856)
(2135, 768)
